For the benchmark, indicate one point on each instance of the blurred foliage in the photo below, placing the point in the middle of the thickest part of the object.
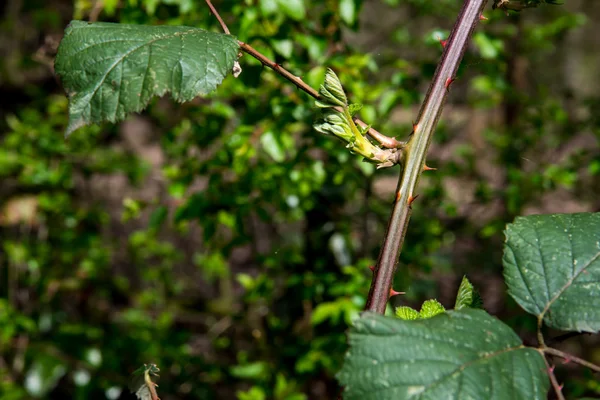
(236, 259)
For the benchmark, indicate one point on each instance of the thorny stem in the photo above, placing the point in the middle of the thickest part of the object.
(416, 152)
(555, 384)
(568, 357)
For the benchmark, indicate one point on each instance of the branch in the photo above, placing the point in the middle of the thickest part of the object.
(416, 152)
(557, 387)
(216, 14)
(569, 357)
(385, 141)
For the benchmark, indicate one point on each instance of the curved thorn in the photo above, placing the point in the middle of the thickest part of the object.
(411, 199)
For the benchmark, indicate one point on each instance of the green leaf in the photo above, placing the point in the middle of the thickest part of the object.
(109, 70)
(552, 268)
(157, 217)
(467, 296)
(348, 11)
(464, 354)
(332, 92)
(142, 384)
(431, 308)
(272, 146)
(294, 9)
(407, 313)
(44, 374)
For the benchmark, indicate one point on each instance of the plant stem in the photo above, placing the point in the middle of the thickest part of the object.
(568, 357)
(216, 14)
(385, 141)
(555, 384)
(416, 152)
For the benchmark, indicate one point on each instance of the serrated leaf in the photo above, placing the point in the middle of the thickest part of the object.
(467, 296)
(464, 354)
(109, 70)
(431, 308)
(331, 91)
(407, 313)
(552, 268)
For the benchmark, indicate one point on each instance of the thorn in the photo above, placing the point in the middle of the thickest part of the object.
(394, 293)
(560, 387)
(426, 168)
(372, 268)
(398, 195)
(551, 369)
(411, 199)
(443, 42)
(275, 65)
(415, 126)
(566, 361)
(482, 17)
(449, 82)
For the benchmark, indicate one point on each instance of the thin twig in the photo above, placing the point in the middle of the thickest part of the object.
(416, 153)
(569, 357)
(385, 141)
(555, 384)
(216, 14)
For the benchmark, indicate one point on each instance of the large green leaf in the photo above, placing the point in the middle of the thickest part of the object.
(464, 354)
(552, 268)
(109, 70)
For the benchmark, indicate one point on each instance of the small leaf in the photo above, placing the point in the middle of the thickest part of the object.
(467, 296)
(407, 313)
(348, 11)
(43, 375)
(142, 385)
(431, 308)
(293, 8)
(354, 108)
(109, 70)
(331, 91)
(465, 354)
(552, 268)
(272, 147)
(158, 217)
